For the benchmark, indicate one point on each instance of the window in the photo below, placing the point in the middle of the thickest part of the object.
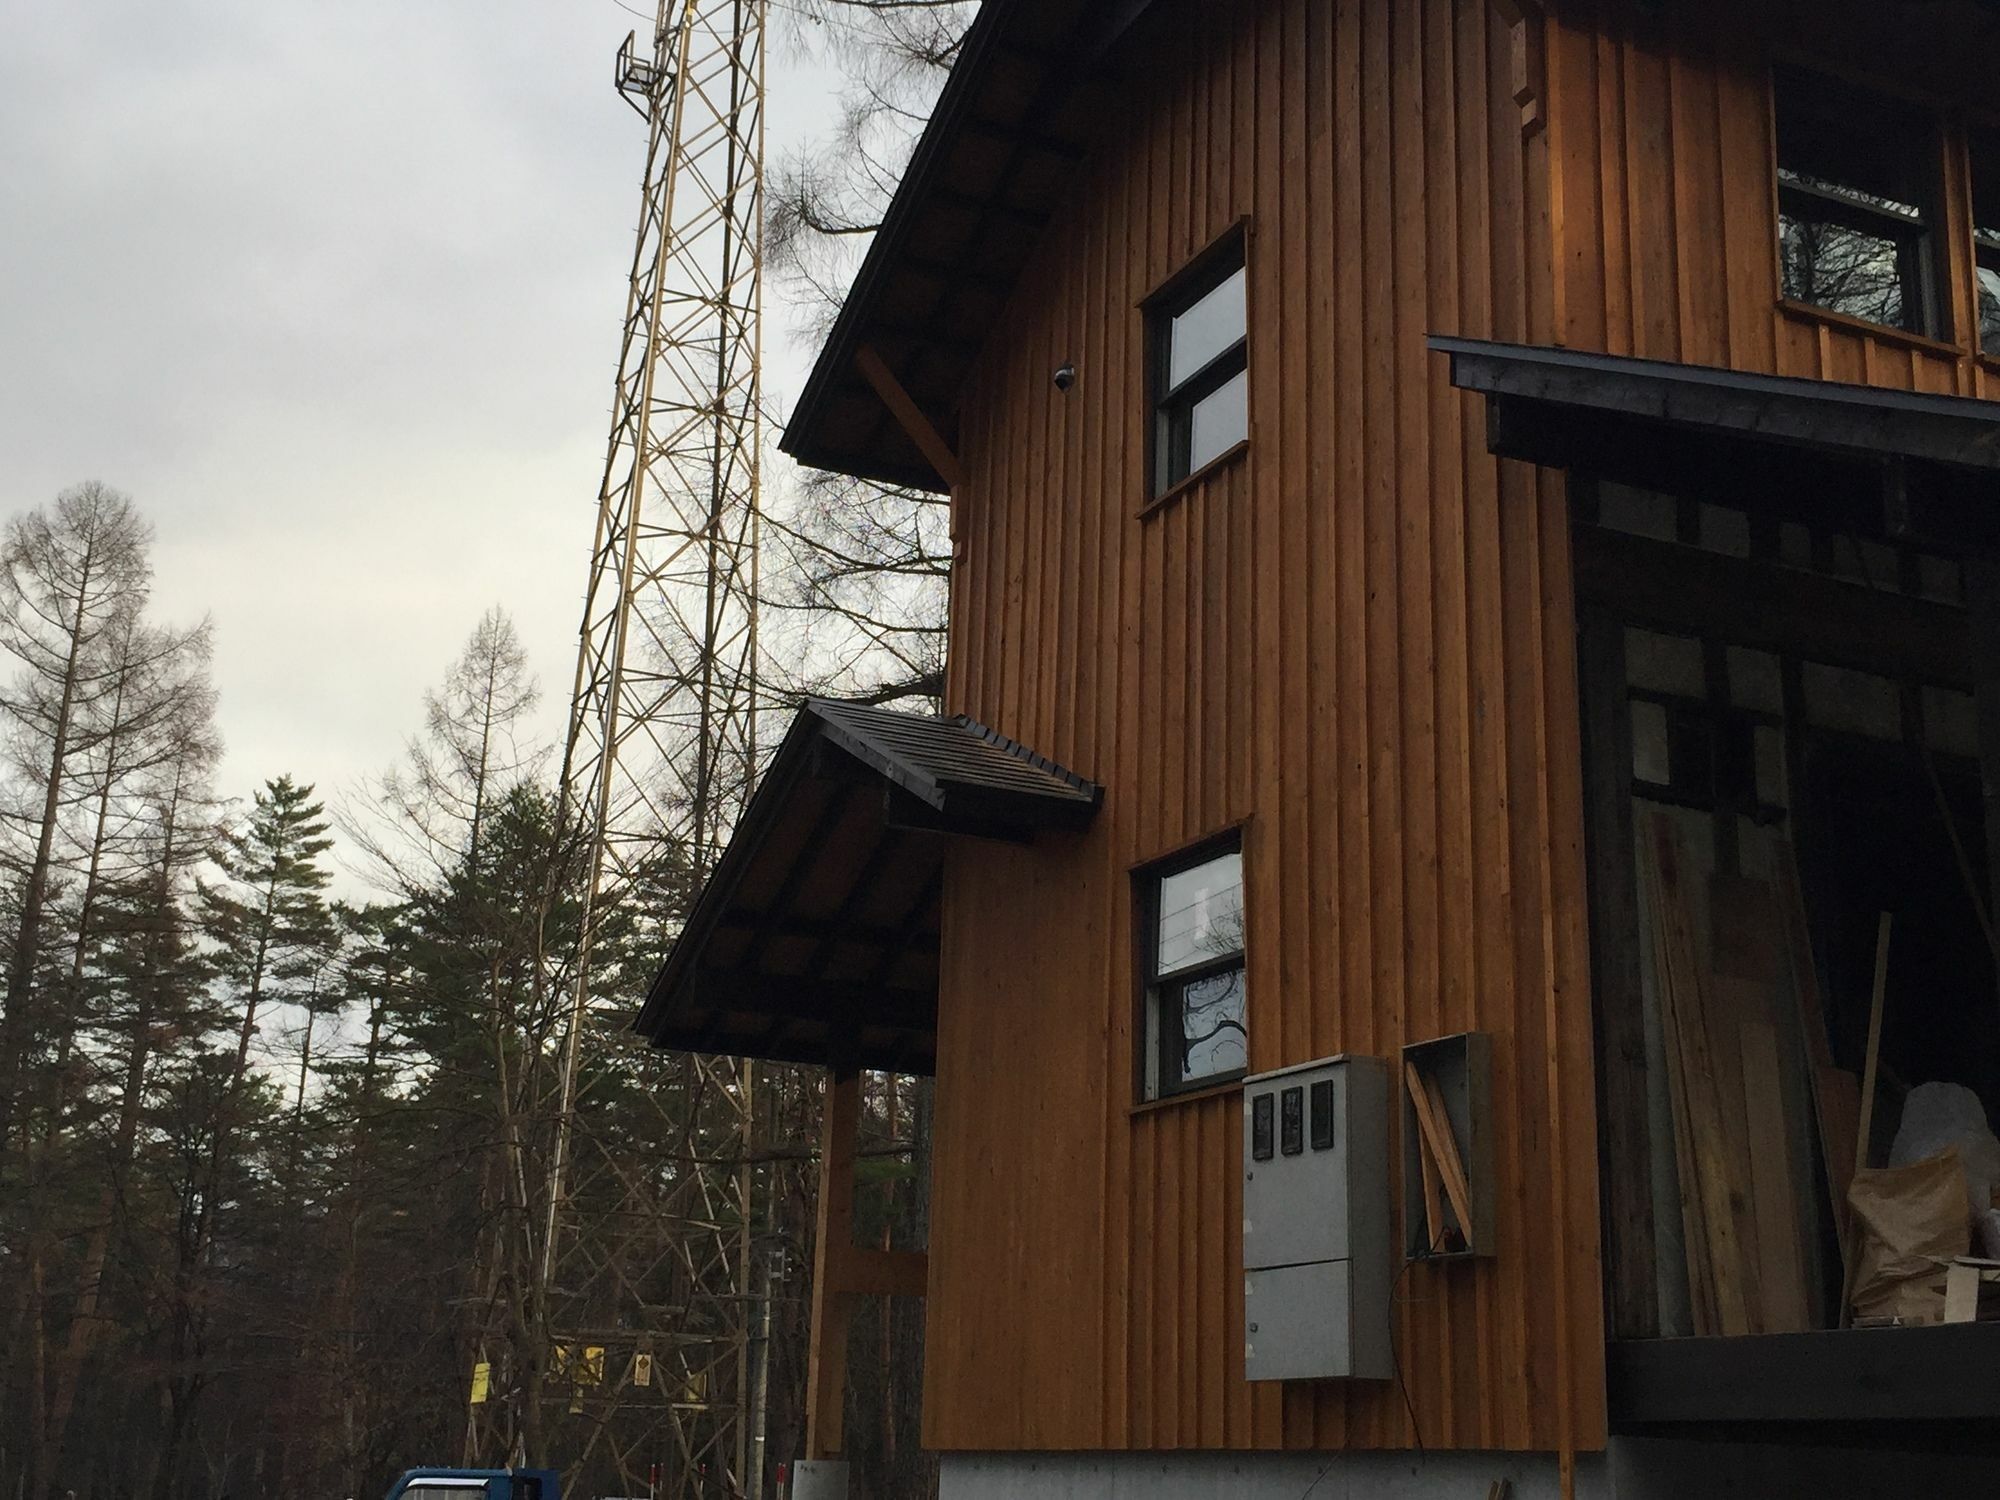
(1857, 203)
(1192, 911)
(1199, 348)
(1986, 234)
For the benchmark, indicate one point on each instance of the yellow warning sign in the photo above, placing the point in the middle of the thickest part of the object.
(590, 1370)
(482, 1382)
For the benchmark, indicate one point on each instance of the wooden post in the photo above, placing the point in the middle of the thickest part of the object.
(826, 1366)
(1982, 590)
(843, 1270)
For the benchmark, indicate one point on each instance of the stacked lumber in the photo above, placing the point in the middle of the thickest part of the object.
(1744, 1219)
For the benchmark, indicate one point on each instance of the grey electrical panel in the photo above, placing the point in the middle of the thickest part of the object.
(1318, 1270)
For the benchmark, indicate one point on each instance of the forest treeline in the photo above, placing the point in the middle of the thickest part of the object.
(274, 1165)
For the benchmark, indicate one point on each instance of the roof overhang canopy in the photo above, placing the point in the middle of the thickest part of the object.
(1027, 97)
(816, 938)
(1916, 464)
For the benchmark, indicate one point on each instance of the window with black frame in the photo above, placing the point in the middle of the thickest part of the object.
(1198, 336)
(1196, 1024)
(1858, 192)
(1986, 234)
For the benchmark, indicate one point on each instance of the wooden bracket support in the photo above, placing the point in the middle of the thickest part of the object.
(842, 1270)
(1527, 22)
(909, 416)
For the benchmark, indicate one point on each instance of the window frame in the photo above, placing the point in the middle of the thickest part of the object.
(1159, 1035)
(1169, 405)
(1982, 131)
(1923, 241)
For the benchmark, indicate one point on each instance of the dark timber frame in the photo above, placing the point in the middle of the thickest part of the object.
(1835, 455)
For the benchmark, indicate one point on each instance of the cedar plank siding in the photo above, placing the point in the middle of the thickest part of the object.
(1357, 643)
(1669, 255)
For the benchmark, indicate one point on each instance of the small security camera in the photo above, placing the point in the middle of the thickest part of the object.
(1065, 377)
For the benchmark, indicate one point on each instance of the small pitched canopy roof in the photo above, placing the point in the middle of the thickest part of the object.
(1922, 466)
(816, 938)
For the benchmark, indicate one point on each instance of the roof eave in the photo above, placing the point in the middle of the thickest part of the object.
(844, 342)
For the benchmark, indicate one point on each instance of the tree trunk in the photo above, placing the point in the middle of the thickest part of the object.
(50, 1413)
(15, 1031)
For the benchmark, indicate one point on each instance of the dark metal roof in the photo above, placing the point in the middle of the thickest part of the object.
(1956, 430)
(955, 765)
(1020, 110)
(816, 938)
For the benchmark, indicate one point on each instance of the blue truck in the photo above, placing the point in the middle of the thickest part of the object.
(477, 1484)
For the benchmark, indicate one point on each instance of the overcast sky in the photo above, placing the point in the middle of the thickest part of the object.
(333, 290)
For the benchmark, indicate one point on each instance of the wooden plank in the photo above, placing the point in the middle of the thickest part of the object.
(833, 1244)
(1694, 1224)
(1865, 1122)
(1836, 1094)
(1440, 1145)
(1780, 1251)
(1878, 996)
(1434, 1225)
(1685, 1017)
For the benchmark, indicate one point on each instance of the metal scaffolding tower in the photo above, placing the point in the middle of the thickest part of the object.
(648, 1256)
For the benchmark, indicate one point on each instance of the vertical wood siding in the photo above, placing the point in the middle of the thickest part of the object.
(1664, 166)
(1357, 643)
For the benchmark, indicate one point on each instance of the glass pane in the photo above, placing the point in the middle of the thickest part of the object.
(1638, 512)
(1856, 702)
(1773, 780)
(1221, 421)
(1201, 914)
(1214, 1038)
(1939, 579)
(1206, 329)
(1951, 721)
(1665, 663)
(1989, 309)
(1725, 530)
(1755, 680)
(1844, 270)
(1795, 547)
(1651, 759)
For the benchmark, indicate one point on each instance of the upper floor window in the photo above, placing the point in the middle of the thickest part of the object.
(1986, 234)
(1198, 338)
(1196, 1023)
(1858, 192)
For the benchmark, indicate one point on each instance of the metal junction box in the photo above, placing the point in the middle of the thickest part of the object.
(1318, 1271)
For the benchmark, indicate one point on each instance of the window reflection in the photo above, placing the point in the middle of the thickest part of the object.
(1213, 1037)
(1197, 1017)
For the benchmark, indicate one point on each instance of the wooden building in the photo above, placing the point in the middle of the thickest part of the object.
(1471, 519)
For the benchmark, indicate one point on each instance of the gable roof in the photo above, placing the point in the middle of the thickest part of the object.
(815, 940)
(1033, 81)
(1017, 115)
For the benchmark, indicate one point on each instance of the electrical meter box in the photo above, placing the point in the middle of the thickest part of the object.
(1318, 1270)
